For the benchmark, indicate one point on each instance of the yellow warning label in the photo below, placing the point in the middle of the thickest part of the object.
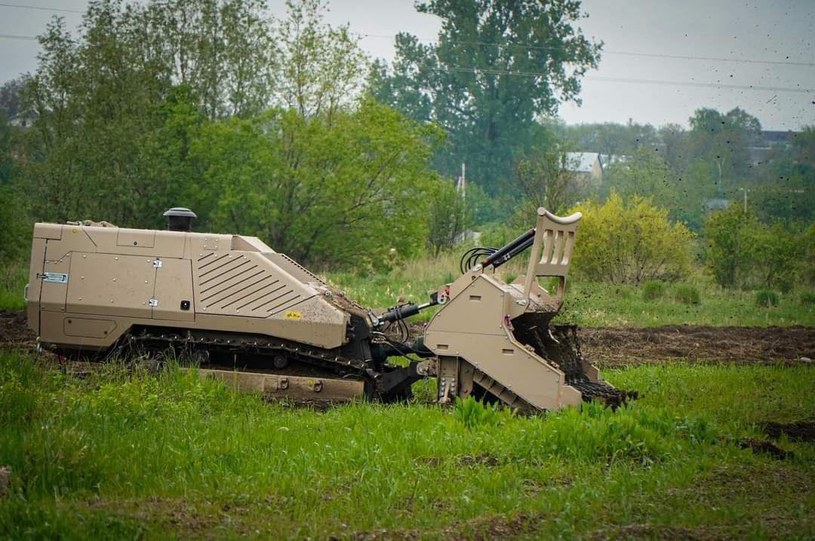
(291, 314)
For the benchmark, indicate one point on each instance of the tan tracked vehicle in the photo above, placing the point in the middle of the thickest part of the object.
(255, 318)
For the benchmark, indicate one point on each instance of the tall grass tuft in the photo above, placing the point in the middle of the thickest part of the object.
(687, 294)
(766, 298)
(653, 290)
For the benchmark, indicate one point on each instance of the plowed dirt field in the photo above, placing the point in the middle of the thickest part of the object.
(615, 347)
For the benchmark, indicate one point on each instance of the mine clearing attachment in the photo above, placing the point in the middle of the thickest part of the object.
(257, 320)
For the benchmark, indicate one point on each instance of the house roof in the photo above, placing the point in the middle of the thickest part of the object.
(582, 162)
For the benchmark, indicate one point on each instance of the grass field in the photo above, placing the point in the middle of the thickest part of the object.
(593, 304)
(120, 456)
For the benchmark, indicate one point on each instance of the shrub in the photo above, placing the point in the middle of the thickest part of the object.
(653, 290)
(743, 252)
(808, 297)
(766, 298)
(687, 294)
(630, 242)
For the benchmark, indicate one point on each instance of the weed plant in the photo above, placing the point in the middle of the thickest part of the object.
(687, 294)
(766, 298)
(653, 290)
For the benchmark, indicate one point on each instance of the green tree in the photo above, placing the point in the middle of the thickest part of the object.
(224, 51)
(728, 249)
(118, 105)
(341, 191)
(14, 235)
(723, 141)
(321, 68)
(631, 242)
(546, 179)
(11, 96)
(786, 190)
(449, 216)
(644, 174)
(774, 254)
(498, 67)
(612, 139)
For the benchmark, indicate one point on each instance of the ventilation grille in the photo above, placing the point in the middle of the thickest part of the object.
(237, 284)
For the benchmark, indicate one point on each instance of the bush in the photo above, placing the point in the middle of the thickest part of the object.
(631, 242)
(743, 252)
(808, 297)
(687, 294)
(653, 290)
(766, 298)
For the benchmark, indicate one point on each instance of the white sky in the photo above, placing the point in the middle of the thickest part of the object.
(755, 54)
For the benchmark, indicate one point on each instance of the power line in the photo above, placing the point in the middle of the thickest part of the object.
(38, 8)
(621, 53)
(701, 85)
(713, 58)
(637, 81)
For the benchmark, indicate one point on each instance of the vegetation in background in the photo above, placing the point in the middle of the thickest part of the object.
(644, 174)
(336, 190)
(687, 294)
(765, 298)
(630, 242)
(546, 178)
(743, 252)
(468, 83)
(653, 290)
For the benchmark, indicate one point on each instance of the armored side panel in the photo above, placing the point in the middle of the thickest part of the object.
(89, 285)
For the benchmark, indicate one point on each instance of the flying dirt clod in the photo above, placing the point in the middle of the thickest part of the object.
(258, 320)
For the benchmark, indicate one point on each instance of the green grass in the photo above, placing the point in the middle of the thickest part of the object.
(698, 301)
(13, 277)
(605, 305)
(138, 456)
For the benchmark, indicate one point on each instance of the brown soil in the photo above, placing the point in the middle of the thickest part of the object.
(14, 331)
(615, 347)
(802, 431)
(762, 447)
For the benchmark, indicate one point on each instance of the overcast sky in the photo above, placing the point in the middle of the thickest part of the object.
(662, 59)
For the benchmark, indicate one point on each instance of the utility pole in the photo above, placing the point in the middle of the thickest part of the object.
(461, 185)
(745, 190)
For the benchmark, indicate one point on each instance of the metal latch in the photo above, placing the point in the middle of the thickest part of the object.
(54, 277)
(157, 264)
(152, 302)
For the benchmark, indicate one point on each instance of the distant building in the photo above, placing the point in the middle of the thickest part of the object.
(718, 203)
(23, 120)
(587, 165)
(770, 142)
